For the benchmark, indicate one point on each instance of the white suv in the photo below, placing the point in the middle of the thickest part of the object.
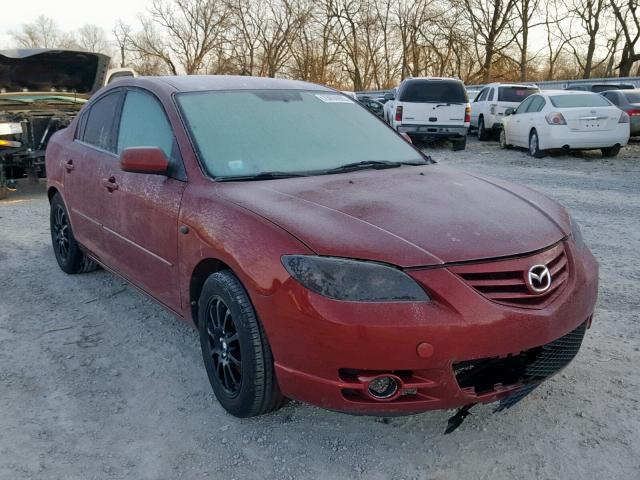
(430, 107)
(487, 110)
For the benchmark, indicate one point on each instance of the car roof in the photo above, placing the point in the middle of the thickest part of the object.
(568, 92)
(432, 78)
(524, 85)
(191, 83)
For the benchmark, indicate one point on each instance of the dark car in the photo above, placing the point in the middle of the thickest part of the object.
(599, 87)
(322, 257)
(628, 101)
(373, 106)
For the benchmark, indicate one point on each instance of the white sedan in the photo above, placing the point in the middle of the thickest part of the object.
(568, 120)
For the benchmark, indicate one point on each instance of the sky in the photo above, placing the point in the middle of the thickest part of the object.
(68, 14)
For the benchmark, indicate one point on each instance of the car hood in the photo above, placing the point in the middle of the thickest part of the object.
(408, 216)
(48, 70)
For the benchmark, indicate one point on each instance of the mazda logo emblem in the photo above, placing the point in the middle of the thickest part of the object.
(538, 279)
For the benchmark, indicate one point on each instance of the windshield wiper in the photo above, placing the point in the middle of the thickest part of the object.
(261, 176)
(369, 164)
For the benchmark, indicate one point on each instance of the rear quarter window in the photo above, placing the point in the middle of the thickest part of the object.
(428, 91)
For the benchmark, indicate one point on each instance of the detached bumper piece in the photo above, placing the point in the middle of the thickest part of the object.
(528, 369)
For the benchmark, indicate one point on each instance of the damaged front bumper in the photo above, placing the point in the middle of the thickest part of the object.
(460, 349)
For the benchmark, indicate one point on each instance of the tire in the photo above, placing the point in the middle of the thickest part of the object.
(460, 144)
(534, 145)
(503, 140)
(610, 151)
(4, 192)
(70, 257)
(482, 131)
(235, 350)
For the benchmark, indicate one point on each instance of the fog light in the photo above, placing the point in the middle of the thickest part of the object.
(383, 387)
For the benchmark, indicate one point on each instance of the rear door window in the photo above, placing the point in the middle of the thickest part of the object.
(433, 91)
(99, 127)
(492, 94)
(515, 94)
(523, 106)
(536, 105)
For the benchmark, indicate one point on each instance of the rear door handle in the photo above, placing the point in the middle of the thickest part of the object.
(110, 184)
(69, 165)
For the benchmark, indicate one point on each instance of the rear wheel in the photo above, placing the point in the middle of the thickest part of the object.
(235, 349)
(68, 254)
(610, 151)
(534, 145)
(482, 132)
(459, 144)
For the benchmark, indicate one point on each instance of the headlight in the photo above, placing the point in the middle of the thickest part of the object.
(576, 234)
(353, 280)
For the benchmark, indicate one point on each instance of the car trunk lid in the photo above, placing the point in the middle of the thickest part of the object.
(591, 119)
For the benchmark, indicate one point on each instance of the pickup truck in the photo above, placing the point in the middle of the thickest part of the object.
(428, 108)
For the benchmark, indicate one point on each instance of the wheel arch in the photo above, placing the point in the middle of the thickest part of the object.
(203, 270)
(51, 191)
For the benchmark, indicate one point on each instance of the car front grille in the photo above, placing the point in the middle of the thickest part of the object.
(531, 366)
(504, 281)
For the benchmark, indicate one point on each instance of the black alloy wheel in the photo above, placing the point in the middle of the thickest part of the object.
(224, 346)
(60, 232)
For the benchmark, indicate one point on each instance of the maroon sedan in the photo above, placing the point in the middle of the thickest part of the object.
(320, 255)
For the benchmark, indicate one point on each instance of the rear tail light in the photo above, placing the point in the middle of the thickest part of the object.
(555, 118)
(634, 113)
(467, 114)
(399, 113)
(624, 118)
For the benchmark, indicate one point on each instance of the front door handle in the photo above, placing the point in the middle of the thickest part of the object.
(110, 184)
(69, 165)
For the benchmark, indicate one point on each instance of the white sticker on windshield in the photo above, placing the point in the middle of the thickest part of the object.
(235, 165)
(333, 98)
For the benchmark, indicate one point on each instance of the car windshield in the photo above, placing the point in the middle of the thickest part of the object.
(241, 133)
(632, 97)
(576, 101)
(432, 91)
(515, 94)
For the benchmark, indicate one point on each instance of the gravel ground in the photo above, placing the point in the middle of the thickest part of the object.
(96, 381)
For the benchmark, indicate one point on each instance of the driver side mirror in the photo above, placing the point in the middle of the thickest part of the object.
(150, 160)
(509, 111)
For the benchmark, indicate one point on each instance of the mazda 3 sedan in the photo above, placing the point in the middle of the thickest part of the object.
(321, 257)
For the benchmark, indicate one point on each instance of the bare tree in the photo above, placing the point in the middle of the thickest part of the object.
(489, 21)
(182, 33)
(42, 33)
(589, 14)
(627, 16)
(93, 38)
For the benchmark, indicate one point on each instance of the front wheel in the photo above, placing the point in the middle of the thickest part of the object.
(610, 151)
(235, 349)
(534, 145)
(69, 256)
(503, 140)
